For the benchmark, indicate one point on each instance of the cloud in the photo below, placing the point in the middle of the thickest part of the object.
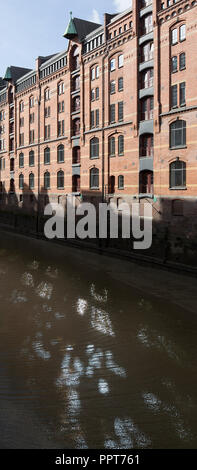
(95, 18)
(121, 5)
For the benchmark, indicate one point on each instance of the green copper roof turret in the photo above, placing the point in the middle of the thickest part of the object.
(71, 31)
(8, 75)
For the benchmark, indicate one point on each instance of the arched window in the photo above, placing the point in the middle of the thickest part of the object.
(178, 133)
(60, 154)
(94, 178)
(21, 181)
(94, 148)
(60, 88)
(121, 145)
(121, 182)
(112, 146)
(47, 180)
(21, 160)
(31, 181)
(31, 158)
(60, 180)
(47, 156)
(177, 174)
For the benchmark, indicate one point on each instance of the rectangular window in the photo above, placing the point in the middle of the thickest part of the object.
(174, 98)
(60, 128)
(60, 89)
(120, 61)
(31, 137)
(120, 84)
(47, 132)
(22, 122)
(47, 94)
(182, 32)
(31, 118)
(21, 140)
(120, 111)
(112, 87)
(93, 94)
(174, 36)
(31, 102)
(93, 74)
(92, 119)
(174, 64)
(112, 113)
(112, 65)
(182, 90)
(47, 112)
(97, 117)
(182, 61)
(97, 71)
(97, 93)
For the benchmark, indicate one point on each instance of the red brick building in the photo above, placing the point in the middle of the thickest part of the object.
(112, 117)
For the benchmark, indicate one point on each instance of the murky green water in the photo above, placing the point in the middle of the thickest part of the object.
(87, 361)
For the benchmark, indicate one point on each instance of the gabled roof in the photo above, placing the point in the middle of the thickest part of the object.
(79, 28)
(14, 73)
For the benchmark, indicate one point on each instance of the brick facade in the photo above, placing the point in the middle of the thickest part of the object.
(112, 117)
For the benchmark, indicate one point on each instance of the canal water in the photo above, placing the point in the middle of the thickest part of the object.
(89, 359)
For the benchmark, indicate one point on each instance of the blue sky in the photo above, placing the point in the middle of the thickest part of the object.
(30, 29)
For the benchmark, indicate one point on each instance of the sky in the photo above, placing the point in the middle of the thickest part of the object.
(29, 29)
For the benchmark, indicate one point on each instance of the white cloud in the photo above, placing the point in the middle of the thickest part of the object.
(121, 5)
(95, 18)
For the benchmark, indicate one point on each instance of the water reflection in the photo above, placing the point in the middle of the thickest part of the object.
(104, 366)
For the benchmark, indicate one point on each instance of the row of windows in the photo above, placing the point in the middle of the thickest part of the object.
(47, 158)
(54, 67)
(94, 180)
(94, 146)
(177, 139)
(93, 44)
(120, 30)
(26, 84)
(177, 178)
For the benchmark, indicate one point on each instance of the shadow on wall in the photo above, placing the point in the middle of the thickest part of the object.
(174, 222)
